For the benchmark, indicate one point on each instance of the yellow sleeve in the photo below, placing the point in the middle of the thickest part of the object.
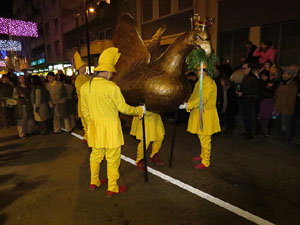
(84, 104)
(193, 102)
(123, 107)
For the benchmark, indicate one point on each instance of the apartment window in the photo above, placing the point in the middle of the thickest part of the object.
(56, 22)
(81, 41)
(47, 27)
(232, 45)
(164, 7)
(105, 34)
(109, 34)
(56, 43)
(147, 10)
(185, 4)
(49, 51)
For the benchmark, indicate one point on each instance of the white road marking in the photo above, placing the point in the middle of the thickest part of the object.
(201, 194)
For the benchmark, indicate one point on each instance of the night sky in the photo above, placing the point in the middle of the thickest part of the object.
(6, 8)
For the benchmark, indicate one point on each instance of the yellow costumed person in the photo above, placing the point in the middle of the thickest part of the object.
(101, 102)
(154, 133)
(206, 123)
(81, 78)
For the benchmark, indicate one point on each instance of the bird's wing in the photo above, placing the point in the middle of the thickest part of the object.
(154, 45)
(133, 50)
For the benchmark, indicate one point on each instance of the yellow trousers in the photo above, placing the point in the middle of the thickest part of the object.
(205, 142)
(113, 158)
(84, 128)
(155, 149)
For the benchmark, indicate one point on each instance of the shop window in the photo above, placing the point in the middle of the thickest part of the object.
(164, 7)
(232, 46)
(147, 10)
(185, 4)
(289, 52)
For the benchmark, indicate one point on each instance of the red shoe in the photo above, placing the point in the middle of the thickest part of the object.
(200, 166)
(121, 190)
(157, 161)
(140, 166)
(197, 158)
(94, 186)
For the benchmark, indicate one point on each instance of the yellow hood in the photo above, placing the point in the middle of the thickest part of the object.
(108, 59)
(78, 61)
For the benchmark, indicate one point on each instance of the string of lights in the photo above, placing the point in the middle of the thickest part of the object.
(8, 45)
(18, 27)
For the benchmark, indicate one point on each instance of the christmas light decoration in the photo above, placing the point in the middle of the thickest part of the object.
(18, 28)
(2, 64)
(8, 45)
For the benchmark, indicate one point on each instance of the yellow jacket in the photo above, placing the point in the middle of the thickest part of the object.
(154, 127)
(211, 123)
(79, 81)
(101, 101)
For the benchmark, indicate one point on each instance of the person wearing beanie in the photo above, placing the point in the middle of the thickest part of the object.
(80, 79)
(284, 103)
(210, 117)
(101, 102)
(154, 133)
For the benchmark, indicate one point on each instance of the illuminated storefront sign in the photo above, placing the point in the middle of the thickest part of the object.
(58, 67)
(34, 63)
(41, 61)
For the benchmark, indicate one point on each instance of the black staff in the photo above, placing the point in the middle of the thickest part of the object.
(173, 140)
(144, 144)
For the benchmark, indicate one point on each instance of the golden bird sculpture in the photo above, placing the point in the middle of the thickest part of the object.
(159, 82)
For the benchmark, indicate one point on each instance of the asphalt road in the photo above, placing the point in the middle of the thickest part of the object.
(45, 180)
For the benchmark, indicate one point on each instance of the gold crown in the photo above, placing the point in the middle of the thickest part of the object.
(198, 25)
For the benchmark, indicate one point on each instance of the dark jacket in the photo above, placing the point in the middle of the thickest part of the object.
(250, 86)
(24, 101)
(285, 98)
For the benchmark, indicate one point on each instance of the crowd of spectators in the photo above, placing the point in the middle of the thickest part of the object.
(38, 104)
(266, 96)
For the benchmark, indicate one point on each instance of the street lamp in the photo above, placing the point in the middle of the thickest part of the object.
(86, 11)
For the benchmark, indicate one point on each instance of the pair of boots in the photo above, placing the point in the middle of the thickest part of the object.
(200, 165)
(155, 160)
(109, 193)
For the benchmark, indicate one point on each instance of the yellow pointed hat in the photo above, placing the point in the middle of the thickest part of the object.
(78, 61)
(108, 59)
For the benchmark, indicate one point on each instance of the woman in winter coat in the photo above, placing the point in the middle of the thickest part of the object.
(24, 108)
(40, 101)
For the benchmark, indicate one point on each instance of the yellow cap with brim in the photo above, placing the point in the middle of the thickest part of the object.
(78, 61)
(108, 59)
